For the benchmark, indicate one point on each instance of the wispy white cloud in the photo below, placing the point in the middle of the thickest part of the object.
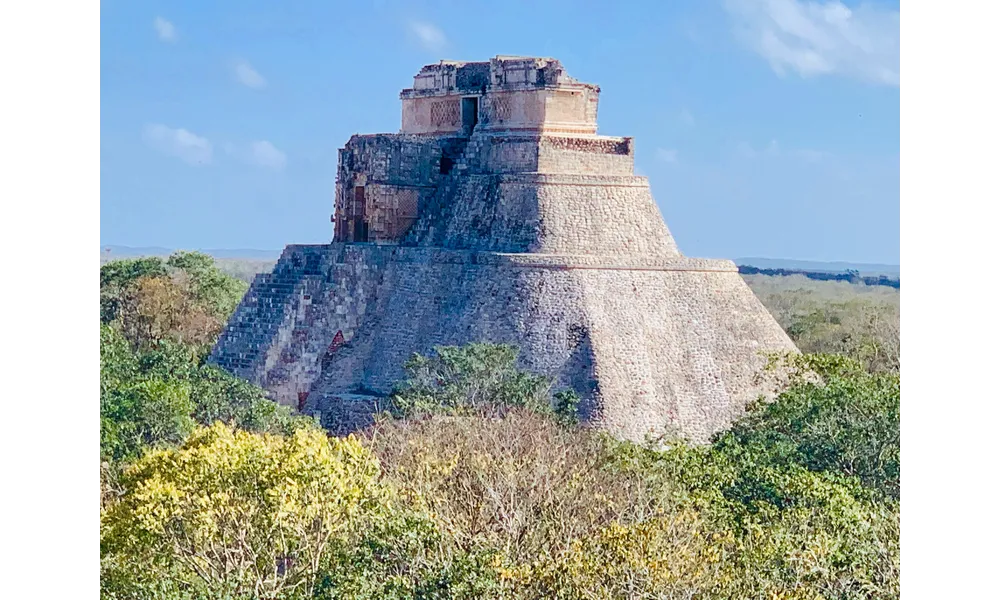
(264, 154)
(164, 29)
(261, 153)
(667, 155)
(428, 35)
(179, 143)
(249, 77)
(821, 38)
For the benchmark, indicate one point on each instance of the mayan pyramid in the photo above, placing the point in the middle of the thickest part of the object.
(498, 214)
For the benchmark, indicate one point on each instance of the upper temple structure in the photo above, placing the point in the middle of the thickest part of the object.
(497, 214)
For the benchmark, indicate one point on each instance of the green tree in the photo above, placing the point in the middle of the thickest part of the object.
(116, 278)
(138, 411)
(835, 417)
(217, 292)
(146, 414)
(154, 396)
(475, 379)
(404, 555)
(185, 299)
(219, 396)
(803, 491)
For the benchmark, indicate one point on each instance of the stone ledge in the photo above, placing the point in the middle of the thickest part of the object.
(535, 135)
(570, 179)
(338, 253)
(560, 261)
(614, 263)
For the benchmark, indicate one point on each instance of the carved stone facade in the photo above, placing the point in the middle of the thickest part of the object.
(515, 223)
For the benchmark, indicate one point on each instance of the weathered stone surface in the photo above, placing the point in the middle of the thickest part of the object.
(541, 239)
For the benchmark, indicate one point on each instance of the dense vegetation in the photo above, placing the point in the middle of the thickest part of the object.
(158, 321)
(478, 483)
(848, 276)
(856, 320)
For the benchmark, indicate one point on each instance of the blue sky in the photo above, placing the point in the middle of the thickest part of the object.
(766, 127)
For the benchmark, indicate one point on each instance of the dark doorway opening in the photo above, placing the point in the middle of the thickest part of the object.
(360, 230)
(360, 215)
(470, 114)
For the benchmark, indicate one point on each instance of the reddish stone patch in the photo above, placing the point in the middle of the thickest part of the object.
(338, 341)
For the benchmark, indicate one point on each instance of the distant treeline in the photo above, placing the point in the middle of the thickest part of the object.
(849, 276)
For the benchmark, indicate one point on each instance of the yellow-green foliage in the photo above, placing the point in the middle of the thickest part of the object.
(666, 556)
(232, 514)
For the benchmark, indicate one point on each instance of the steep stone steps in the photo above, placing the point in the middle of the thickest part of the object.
(268, 304)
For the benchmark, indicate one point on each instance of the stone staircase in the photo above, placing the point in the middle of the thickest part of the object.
(251, 330)
(465, 155)
(468, 161)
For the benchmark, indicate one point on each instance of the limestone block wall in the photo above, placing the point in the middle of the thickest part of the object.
(523, 71)
(566, 107)
(585, 155)
(572, 110)
(677, 350)
(324, 323)
(472, 76)
(569, 110)
(602, 215)
(437, 115)
(559, 214)
(590, 114)
(434, 296)
(384, 179)
(393, 208)
(446, 76)
(537, 309)
(480, 212)
(498, 154)
(652, 345)
(436, 77)
(393, 158)
(488, 153)
(512, 110)
(518, 71)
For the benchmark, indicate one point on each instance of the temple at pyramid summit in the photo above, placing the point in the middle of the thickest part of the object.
(498, 214)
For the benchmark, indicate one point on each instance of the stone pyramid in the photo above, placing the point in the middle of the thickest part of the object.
(498, 214)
